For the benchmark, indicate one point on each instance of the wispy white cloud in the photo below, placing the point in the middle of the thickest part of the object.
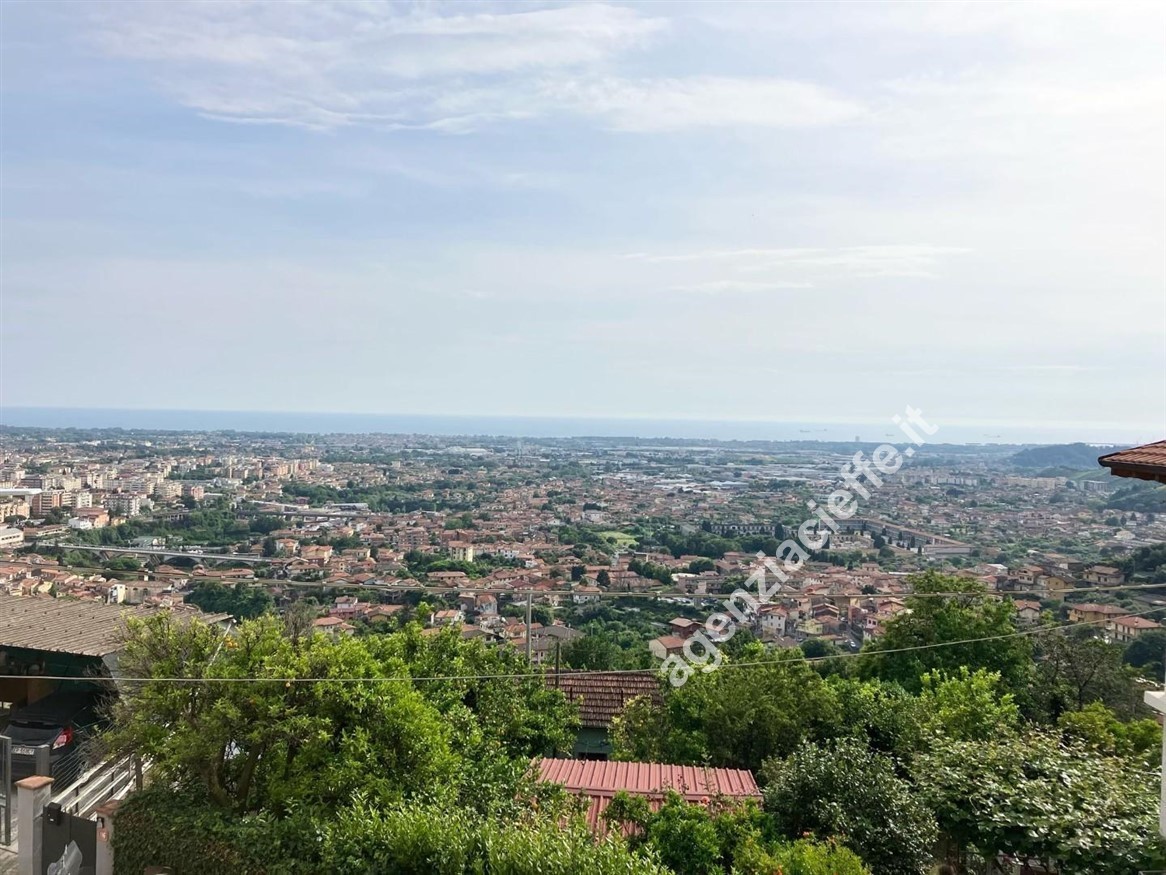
(328, 66)
(707, 101)
(717, 287)
(856, 261)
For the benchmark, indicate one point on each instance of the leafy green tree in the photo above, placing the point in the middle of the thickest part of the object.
(844, 789)
(803, 857)
(731, 718)
(1098, 727)
(816, 648)
(1146, 652)
(1032, 796)
(723, 836)
(242, 601)
(1074, 669)
(968, 706)
(167, 826)
(882, 714)
(312, 736)
(967, 629)
(594, 652)
(259, 746)
(685, 837)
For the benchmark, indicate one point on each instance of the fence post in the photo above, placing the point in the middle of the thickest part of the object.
(105, 812)
(43, 764)
(32, 795)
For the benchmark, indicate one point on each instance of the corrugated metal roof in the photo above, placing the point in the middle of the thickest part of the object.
(600, 780)
(81, 628)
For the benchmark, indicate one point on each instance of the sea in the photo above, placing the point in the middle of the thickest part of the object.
(558, 427)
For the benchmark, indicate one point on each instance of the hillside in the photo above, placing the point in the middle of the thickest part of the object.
(1076, 456)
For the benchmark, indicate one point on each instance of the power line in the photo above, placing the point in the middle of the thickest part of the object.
(1042, 630)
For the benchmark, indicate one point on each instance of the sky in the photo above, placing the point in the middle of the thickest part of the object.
(786, 211)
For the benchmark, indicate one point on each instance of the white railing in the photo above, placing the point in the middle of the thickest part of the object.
(111, 779)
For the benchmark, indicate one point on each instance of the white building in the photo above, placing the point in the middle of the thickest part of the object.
(127, 505)
(11, 537)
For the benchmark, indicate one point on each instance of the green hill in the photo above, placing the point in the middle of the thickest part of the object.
(1075, 456)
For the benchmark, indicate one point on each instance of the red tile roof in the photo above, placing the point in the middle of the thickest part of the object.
(603, 696)
(1137, 623)
(1147, 462)
(601, 780)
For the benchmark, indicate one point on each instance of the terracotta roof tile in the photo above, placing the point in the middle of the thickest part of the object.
(1147, 462)
(603, 696)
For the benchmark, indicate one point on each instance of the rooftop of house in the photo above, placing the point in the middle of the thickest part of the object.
(1147, 462)
(1111, 610)
(600, 780)
(600, 697)
(82, 628)
(1137, 623)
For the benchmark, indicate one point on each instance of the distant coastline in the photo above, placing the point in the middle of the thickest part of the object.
(539, 427)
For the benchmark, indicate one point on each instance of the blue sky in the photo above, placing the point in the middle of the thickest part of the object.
(757, 211)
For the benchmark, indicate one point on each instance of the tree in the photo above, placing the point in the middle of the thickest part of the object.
(1075, 669)
(816, 648)
(723, 836)
(844, 789)
(882, 714)
(594, 652)
(259, 746)
(731, 718)
(967, 706)
(1146, 652)
(1098, 727)
(603, 578)
(242, 601)
(970, 627)
(1032, 796)
(313, 741)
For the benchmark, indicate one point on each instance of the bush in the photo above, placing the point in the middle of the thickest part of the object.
(159, 827)
(849, 791)
(177, 828)
(802, 857)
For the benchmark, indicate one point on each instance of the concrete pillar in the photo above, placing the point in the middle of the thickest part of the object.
(103, 865)
(32, 795)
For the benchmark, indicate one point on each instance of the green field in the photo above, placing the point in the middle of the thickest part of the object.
(620, 540)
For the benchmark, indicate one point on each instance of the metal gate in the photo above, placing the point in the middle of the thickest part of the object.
(6, 789)
(58, 829)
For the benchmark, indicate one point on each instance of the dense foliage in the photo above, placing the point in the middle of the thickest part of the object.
(1032, 795)
(722, 837)
(845, 789)
(338, 717)
(170, 827)
(241, 601)
(409, 752)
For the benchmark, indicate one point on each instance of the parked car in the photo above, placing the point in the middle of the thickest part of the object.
(63, 720)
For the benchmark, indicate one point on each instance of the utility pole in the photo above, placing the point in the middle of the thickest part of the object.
(528, 601)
